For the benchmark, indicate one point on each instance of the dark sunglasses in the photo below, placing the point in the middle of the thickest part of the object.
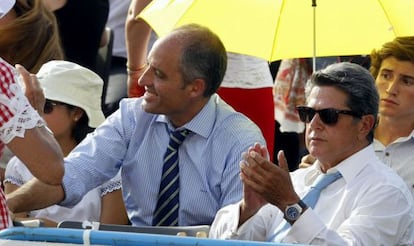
(49, 105)
(329, 116)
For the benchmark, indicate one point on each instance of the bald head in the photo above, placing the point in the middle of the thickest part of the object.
(203, 55)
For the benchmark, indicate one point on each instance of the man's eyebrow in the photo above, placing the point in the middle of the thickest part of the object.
(405, 76)
(386, 70)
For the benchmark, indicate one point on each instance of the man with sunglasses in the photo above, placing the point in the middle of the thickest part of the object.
(393, 67)
(363, 203)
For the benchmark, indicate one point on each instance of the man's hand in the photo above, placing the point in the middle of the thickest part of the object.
(268, 180)
(252, 201)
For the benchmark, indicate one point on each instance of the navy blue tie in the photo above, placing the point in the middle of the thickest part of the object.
(166, 211)
(310, 199)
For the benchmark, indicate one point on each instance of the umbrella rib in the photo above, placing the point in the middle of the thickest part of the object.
(277, 30)
(386, 15)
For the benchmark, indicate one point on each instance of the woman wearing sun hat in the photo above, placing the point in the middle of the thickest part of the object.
(72, 110)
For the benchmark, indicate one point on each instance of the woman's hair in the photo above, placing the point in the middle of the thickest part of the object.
(402, 48)
(81, 128)
(31, 39)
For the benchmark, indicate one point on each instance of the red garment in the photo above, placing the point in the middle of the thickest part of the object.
(4, 213)
(6, 79)
(136, 90)
(257, 104)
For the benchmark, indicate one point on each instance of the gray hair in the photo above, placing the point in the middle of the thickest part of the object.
(356, 82)
(203, 56)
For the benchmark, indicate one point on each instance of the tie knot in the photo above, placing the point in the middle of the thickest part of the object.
(177, 137)
(326, 179)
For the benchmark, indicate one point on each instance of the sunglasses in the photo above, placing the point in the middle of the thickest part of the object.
(49, 106)
(329, 116)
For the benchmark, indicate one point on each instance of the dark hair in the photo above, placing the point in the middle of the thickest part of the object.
(356, 82)
(203, 56)
(402, 48)
(81, 128)
(32, 39)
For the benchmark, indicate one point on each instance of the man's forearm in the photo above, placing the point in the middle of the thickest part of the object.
(34, 195)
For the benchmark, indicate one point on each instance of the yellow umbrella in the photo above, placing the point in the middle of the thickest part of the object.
(278, 29)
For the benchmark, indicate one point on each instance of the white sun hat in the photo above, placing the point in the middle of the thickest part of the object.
(73, 84)
(5, 6)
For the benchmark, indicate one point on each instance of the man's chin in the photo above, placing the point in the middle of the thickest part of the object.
(145, 106)
(148, 108)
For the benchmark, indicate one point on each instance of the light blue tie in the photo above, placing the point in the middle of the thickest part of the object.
(311, 198)
(320, 183)
(166, 211)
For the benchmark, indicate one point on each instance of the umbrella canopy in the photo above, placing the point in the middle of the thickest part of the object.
(279, 29)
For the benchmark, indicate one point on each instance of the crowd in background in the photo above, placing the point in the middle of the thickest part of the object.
(236, 111)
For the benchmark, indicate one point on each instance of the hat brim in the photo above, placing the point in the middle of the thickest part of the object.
(96, 117)
(6, 6)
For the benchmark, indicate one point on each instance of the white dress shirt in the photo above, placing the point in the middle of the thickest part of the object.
(370, 205)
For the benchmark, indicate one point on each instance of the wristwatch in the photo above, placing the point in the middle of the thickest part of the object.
(293, 212)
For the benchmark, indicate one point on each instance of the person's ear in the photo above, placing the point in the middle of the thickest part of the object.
(367, 123)
(77, 114)
(197, 87)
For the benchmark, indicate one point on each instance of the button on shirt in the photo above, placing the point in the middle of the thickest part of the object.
(135, 141)
(370, 205)
(399, 156)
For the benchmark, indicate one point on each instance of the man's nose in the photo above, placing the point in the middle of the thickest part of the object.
(392, 87)
(145, 78)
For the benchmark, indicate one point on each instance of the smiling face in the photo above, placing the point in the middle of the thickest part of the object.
(331, 144)
(165, 91)
(395, 83)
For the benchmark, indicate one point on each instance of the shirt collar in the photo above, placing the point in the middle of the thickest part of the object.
(349, 168)
(202, 124)
(378, 146)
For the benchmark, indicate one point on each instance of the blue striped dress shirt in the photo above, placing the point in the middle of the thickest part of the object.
(134, 141)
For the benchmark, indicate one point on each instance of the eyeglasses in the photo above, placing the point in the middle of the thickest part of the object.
(329, 116)
(49, 105)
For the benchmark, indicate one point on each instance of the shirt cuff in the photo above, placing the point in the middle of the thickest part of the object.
(305, 229)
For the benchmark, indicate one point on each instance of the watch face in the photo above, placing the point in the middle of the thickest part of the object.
(292, 213)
